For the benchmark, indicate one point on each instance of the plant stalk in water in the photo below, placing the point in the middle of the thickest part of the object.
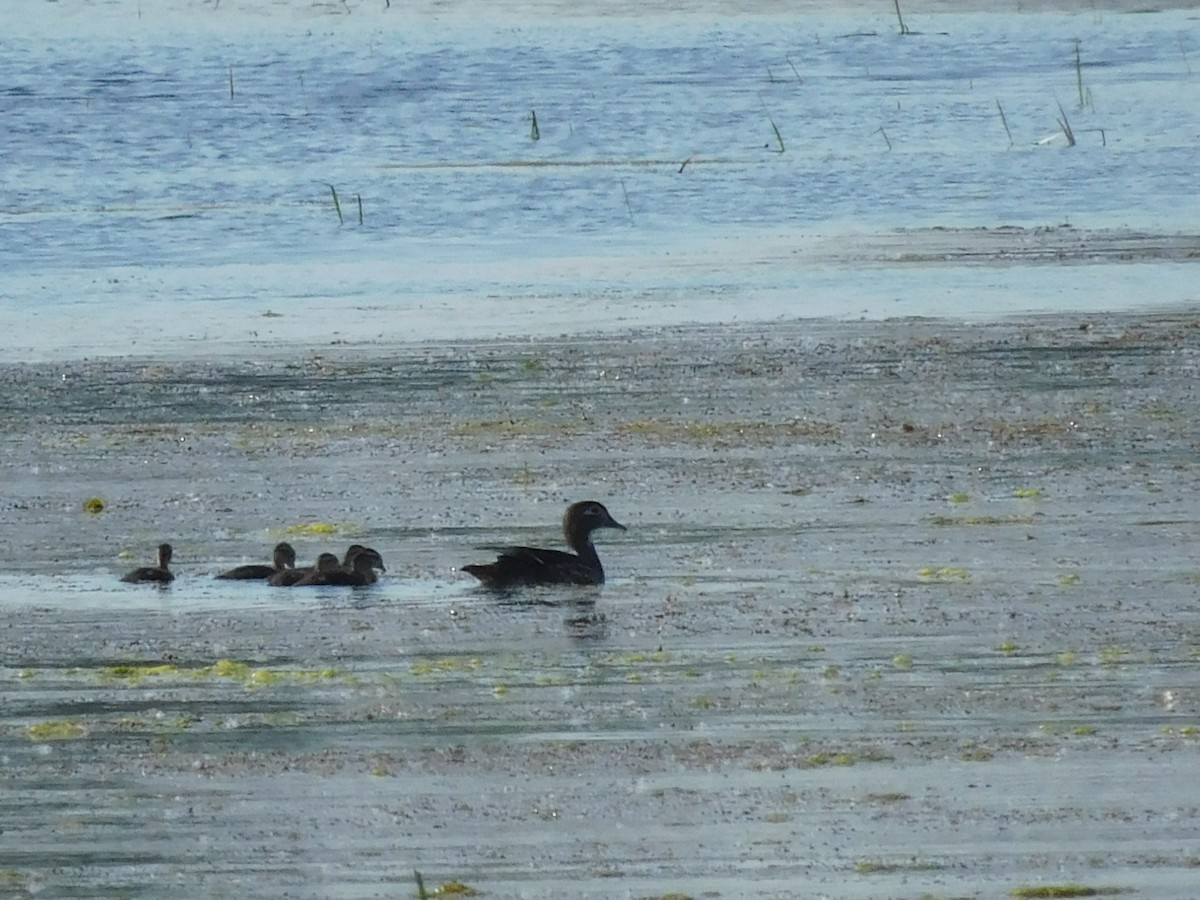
(336, 205)
(1004, 122)
(1079, 74)
(1066, 127)
(628, 205)
(778, 136)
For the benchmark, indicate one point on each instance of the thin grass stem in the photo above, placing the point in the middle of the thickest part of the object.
(337, 205)
(1065, 125)
(1004, 122)
(778, 136)
(1079, 74)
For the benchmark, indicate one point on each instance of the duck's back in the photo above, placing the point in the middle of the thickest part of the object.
(148, 574)
(254, 571)
(518, 566)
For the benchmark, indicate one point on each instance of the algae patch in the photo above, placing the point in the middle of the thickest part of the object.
(944, 574)
(58, 730)
(319, 529)
(135, 675)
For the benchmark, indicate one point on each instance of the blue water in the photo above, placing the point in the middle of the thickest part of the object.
(209, 157)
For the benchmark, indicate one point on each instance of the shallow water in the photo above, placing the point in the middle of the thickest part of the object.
(170, 175)
(904, 609)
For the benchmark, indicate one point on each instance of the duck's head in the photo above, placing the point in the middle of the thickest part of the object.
(364, 558)
(584, 517)
(284, 556)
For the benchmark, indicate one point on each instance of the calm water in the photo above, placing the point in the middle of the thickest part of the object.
(182, 168)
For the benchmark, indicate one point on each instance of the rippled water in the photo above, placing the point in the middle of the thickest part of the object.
(180, 169)
(905, 608)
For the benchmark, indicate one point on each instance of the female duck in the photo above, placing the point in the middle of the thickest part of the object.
(160, 574)
(282, 559)
(520, 566)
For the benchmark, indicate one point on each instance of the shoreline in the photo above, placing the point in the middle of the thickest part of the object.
(957, 274)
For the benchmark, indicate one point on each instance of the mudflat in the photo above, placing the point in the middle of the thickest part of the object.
(905, 608)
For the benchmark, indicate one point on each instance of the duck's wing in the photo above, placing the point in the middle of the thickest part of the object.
(534, 565)
(288, 577)
(148, 573)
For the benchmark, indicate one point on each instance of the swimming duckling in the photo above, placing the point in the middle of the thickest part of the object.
(327, 563)
(159, 574)
(519, 566)
(292, 577)
(282, 559)
(357, 569)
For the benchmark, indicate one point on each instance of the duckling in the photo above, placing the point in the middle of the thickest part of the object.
(356, 570)
(283, 558)
(292, 577)
(159, 574)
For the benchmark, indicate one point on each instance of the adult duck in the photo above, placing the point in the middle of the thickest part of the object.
(525, 566)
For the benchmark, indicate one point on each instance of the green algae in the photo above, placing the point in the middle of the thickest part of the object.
(232, 670)
(975, 753)
(978, 521)
(455, 889)
(444, 664)
(57, 730)
(944, 574)
(891, 867)
(319, 529)
(887, 797)
(1063, 890)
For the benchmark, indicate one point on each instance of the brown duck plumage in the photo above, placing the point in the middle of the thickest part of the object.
(521, 566)
(282, 559)
(160, 574)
